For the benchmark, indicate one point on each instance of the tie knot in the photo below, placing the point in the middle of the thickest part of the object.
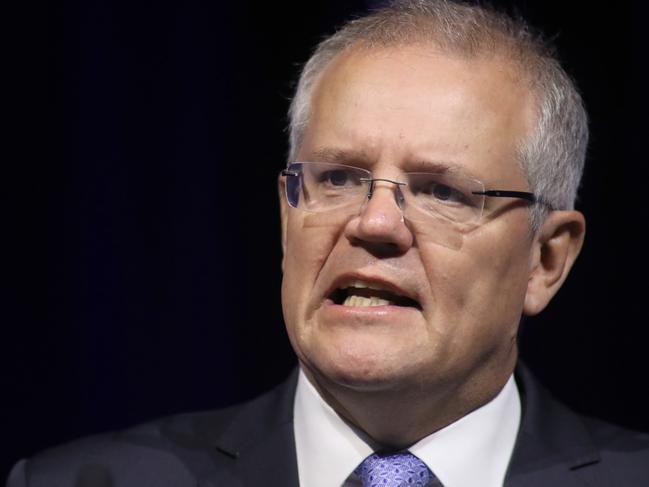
(398, 469)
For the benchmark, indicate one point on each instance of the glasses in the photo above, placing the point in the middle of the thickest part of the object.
(321, 187)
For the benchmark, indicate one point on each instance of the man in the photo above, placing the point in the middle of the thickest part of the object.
(436, 151)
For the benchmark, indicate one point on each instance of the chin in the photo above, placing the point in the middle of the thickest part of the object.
(354, 368)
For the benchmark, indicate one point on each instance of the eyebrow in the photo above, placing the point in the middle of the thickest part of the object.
(353, 157)
(342, 156)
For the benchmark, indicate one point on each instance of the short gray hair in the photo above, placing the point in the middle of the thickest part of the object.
(552, 157)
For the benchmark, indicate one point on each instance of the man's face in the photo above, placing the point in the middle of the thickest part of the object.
(390, 111)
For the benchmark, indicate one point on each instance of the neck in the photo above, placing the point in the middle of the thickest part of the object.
(421, 411)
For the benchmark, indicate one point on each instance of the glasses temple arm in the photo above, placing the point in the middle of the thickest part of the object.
(498, 193)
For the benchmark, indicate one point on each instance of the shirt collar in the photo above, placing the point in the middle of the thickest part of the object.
(327, 448)
(474, 450)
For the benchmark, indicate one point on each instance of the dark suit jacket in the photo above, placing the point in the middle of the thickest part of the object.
(253, 445)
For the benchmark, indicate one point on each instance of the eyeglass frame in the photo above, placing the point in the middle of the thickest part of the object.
(491, 193)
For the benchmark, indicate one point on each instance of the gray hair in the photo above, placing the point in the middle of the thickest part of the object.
(552, 156)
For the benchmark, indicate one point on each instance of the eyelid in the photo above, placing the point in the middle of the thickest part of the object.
(349, 167)
(357, 160)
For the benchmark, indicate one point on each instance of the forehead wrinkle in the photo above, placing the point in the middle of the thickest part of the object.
(440, 167)
(356, 157)
(361, 158)
(372, 148)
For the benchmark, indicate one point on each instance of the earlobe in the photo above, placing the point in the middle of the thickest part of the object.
(556, 247)
(283, 214)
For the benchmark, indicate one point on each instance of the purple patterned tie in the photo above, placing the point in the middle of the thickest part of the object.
(400, 469)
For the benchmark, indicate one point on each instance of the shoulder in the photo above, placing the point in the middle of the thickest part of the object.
(163, 452)
(623, 453)
(555, 445)
(171, 451)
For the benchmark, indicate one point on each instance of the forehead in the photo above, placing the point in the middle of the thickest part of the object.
(412, 105)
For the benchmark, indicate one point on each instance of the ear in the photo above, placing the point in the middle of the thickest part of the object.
(283, 213)
(556, 247)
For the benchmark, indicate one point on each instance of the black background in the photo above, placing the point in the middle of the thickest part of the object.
(142, 268)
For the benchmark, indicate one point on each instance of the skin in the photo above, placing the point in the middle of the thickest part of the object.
(403, 109)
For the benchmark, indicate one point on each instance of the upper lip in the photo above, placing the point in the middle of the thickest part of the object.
(347, 280)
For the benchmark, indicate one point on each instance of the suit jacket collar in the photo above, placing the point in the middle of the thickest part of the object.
(551, 441)
(260, 441)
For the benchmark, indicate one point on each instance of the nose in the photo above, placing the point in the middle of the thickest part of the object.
(380, 225)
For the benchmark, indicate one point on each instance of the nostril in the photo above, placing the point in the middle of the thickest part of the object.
(378, 249)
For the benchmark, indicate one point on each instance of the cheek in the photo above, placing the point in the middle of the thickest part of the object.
(479, 284)
(501, 290)
(309, 243)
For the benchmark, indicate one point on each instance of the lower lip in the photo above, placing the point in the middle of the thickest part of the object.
(329, 307)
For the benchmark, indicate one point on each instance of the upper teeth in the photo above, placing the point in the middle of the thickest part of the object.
(353, 300)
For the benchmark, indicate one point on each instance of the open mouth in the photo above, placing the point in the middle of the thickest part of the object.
(359, 294)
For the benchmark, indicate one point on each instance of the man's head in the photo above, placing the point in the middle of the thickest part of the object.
(553, 153)
(380, 303)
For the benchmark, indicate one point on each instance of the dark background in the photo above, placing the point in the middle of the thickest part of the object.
(143, 270)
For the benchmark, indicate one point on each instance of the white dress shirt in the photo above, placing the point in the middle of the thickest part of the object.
(474, 450)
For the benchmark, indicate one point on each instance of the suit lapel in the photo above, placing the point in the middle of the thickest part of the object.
(553, 446)
(258, 447)
(270, 461)
(260, 441)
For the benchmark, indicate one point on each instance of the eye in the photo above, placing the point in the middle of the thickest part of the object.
(337, 177)
(442, 192)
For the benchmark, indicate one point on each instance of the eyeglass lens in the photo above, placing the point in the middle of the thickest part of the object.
(323, 187)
